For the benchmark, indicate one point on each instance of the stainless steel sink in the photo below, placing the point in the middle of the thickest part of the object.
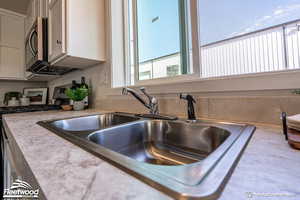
(83, 126)
(162, 142)
(183, 159)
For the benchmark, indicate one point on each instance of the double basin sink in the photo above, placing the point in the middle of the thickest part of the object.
(186, 160)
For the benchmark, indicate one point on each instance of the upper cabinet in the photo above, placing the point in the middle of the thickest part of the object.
(56, 30)
(36, 8)
(76, 32)
(12, 30)
(11, 45)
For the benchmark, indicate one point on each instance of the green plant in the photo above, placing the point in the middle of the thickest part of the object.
(77, 94)
(296, 91)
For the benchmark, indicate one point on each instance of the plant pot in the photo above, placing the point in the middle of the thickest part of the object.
(78, 105)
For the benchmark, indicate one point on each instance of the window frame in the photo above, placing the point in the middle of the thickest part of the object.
(274, 80)
(190, 58)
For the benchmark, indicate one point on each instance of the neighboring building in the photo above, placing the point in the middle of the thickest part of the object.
(165, 66)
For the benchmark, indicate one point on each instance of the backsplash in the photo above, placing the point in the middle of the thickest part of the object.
(248, 106)
(251, 109)
(17, 86)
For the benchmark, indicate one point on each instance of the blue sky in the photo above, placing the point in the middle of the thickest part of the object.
(219, 19)
(161, 37)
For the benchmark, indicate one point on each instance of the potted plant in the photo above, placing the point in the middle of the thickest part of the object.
(77, 95)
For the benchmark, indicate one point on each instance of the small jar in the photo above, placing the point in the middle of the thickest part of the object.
(13, 102)
(25, 101)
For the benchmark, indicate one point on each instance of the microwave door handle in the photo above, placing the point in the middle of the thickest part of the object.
(30, 43)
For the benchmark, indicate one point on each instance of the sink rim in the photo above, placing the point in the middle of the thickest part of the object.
(52, 121)
(208, 187)
(164, 170)
(150, 120)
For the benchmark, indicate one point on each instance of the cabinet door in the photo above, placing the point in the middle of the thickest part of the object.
(36, 8)
(31, 15)
(11, 173)
(42, 8)
(11, 63)
(11, 47)
(12, 31)
(56, 30)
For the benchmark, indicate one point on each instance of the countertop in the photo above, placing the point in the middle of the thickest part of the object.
(268, 169)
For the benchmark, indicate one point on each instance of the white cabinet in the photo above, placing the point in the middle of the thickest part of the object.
(31, 15)
(11, 63)
(42, 8)
(11, 31)
(76, 32)
(11, 169)
(36, 8)
(11, 173)
(11, 46)
(56, 30)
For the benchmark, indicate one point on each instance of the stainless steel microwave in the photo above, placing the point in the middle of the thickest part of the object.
(36, 51)
(36, 46)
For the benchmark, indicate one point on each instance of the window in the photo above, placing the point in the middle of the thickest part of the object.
(145, 75)
(157, 39)
(243, 37)
(173, 70)
(180, 39)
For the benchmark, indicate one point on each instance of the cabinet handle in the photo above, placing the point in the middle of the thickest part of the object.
(58, 42)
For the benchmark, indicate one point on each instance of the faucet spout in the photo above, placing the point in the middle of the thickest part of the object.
(153, 102)
(125, 91)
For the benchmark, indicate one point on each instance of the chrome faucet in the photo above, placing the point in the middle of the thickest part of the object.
(152, 105)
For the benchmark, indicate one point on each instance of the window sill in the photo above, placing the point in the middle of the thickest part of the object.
(280, 80)
(168, 80)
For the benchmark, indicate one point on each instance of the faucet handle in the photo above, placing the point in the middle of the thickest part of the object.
(187, 97)
(124, 91)
(143, 90)
(190, 105)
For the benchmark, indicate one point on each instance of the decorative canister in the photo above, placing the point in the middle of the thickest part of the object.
(25, 101)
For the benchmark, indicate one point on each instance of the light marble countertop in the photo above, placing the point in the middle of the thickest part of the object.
(64, 171)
